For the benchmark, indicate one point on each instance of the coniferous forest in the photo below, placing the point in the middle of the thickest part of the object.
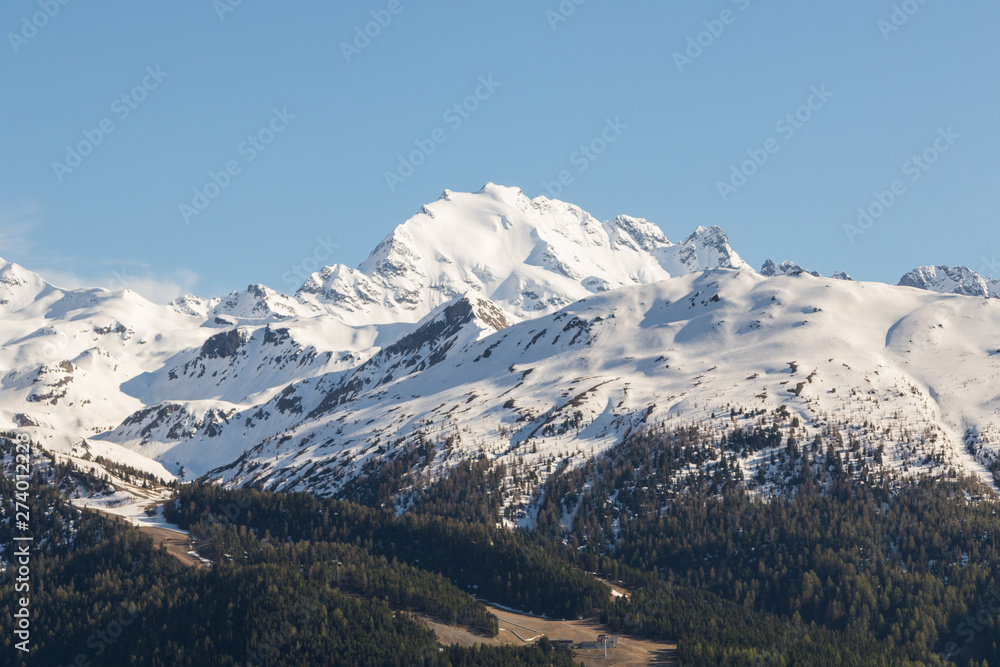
(837, 565)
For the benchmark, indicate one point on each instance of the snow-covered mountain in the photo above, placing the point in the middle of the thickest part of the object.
(787, 268)
(952, 280)
(19, 287)
(911, 371)
(493, 324)
(530, 257)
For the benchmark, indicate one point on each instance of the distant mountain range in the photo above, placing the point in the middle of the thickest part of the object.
(517, 328)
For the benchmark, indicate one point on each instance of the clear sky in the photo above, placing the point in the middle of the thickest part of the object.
(309, 115)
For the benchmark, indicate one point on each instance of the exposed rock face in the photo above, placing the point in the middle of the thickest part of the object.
(770, 269)
(951, 280)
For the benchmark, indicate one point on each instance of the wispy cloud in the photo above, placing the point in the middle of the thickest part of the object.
(21, 223)
(16, 226)
(158, 288)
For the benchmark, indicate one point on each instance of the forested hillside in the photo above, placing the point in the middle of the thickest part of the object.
(102, 594)
(887, 569)
(827, 571)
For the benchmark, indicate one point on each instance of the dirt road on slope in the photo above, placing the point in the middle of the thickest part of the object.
(521, 629)
(177, 544)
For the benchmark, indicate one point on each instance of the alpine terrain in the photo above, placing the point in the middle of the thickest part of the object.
(523, 330)
(624, 444)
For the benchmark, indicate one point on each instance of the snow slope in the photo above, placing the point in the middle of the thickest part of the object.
(490, 323)
(907, 369)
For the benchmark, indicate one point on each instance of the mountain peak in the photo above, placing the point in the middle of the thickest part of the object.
(529, 256)
(706, 248)
(501, 190)
(786, 268)
(18, 287)
(951, 280)
(642, 232)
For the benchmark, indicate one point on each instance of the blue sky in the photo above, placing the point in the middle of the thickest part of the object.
(309, 128)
